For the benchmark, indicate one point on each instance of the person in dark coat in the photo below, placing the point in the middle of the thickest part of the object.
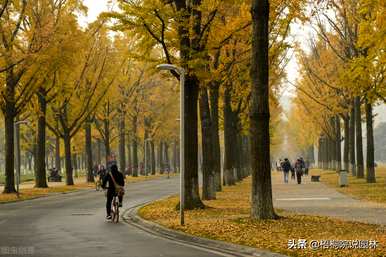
(111, 192)
(286, 167)
(293, 171)
(299, 166)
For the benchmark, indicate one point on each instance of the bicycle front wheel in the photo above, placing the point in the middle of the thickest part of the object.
(116, 212)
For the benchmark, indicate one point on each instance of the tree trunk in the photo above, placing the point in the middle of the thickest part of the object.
(208, 184)
(236, 149)
(152, 158)
(17, 150)
(122, 143)
(135, 156)
(160, 157)
(147, 160)
(166, 156)
(88, 147)
(359, 144)
(40, 175)
(129, 157)
(68, 162)
(214, 96)
(106, 124)
(261, 206)
(29, 162)
(186, 47)
(325, 152)
(331, 150)
(57, 154)
(192, 197)
(370, 178)
(9, 118)
(333, 144)
(352, 141)
(229, 178)
(346, 121)
(99, 151)
(338, 150)
(320, 153)
(175, 156)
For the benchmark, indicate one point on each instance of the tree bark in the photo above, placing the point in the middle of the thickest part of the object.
(189, 44)
(338, 150)
(261, 206)
(9, 119)
(320, 153)
(346, 121)
(99, 151)
(236, 150)
(370, 178)
(166, 156)
(214, 96)
(57, 154)
(29, 161)
(122, 144)
(160, 157)
(40, 175)
(68, 162)
(106, 124)
(208, 184)
(135, 158)
(333, 144)
(175, 154)
(88, 147)
(192, 197)
(359, 144)
(325, 152)
(129, 157)
(229, 167)
(152, 158)
(352, 141)
(17, 150)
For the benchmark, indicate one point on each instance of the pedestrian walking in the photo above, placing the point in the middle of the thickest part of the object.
(306, 167)
(299, 166)
(286, 167)
(293, 172)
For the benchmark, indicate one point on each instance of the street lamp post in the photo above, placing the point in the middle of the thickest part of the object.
(17, 151)
(181, 72)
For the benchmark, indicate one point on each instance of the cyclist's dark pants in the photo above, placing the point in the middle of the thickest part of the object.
(110, 196)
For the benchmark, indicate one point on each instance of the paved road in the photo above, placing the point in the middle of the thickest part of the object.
(73, 225)
(319, 199)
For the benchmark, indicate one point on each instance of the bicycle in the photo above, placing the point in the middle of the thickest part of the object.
(115, 209)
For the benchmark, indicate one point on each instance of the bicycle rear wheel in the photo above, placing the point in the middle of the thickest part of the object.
(115, 210)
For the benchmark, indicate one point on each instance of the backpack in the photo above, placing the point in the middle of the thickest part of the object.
(119, 190)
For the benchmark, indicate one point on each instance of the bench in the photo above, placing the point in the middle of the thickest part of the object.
(55, 178)
(315, 178)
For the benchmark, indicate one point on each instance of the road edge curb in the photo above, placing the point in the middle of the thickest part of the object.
(131, 217)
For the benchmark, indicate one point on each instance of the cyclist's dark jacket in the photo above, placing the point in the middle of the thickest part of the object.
(118, 178)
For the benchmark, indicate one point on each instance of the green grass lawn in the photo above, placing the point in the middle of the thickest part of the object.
(358, 188)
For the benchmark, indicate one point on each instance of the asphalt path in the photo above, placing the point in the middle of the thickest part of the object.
(73, 225)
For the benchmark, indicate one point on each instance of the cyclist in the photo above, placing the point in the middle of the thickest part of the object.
(111, 176)
(101, 172)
